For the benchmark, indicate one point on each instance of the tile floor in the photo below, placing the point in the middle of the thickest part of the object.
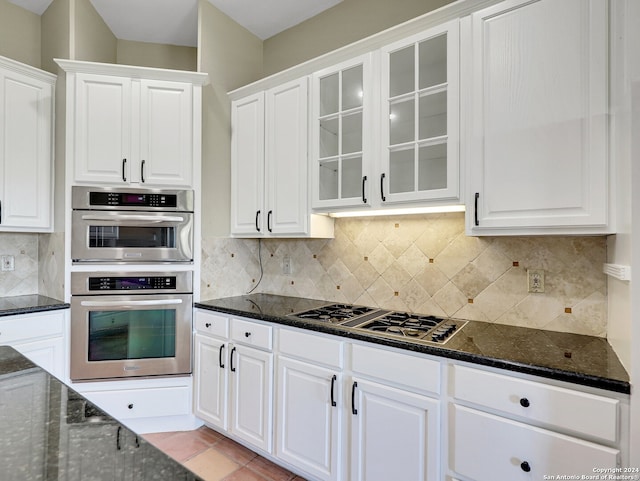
(215, 457)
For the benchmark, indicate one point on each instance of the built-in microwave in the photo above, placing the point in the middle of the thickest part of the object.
(131, 225)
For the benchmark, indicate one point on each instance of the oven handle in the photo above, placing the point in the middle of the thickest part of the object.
(136, 218)
(156, 302)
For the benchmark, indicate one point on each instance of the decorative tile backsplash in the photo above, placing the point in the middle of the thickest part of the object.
(23, 279)
(424, 264)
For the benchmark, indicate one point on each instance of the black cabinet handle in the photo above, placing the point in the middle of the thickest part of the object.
(221, 357)
(118, 447)
(207, 325)
(137, 442)
(233, 369)
(257, 218)
(525, 466)
(130, 406)
(142, 171)
(382, 176)
(124, 166)
(364, 181)
(354, 411)
(333, 383)
(269, 214)
(524, 402)
(247, 334)
(475, 209)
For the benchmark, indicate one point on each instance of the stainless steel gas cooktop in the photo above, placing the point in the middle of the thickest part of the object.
(394, 324)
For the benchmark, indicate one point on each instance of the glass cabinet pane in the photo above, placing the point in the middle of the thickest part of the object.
(329, 180)
(401, 171)
(433, 115)
(351, 177)
(352, 88)
(432, 55)
(352, 133)
(401, 122)
(402, 71)
(329, 91)
(329, 137)
(432, 167)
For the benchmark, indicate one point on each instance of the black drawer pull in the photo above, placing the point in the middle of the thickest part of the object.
(118, 447)
(142, 171)
(525, 466)
(354, 411)
(124, 165)
(247, 334)
(207, 325)
(382, 176)
(333, 383)
(475, 210)
(130, 406)
(524, 402)
(220, 357)
(257, 218)
(269, 214)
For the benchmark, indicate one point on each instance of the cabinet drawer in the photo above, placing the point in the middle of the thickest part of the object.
(580, 412)
(485, 447)
(410, 371)
(143, 403)
(30, 326)
(311, 347)
(213, 324)
(252, 334)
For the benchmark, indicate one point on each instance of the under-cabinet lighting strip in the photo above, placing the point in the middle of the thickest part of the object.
(400, 211)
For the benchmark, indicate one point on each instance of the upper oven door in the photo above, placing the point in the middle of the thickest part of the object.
(107, 236)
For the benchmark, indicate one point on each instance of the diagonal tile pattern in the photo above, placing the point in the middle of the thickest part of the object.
(424, 264)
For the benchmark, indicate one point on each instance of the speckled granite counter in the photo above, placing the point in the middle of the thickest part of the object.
(50, 432)
(10, 306)
(579, 359)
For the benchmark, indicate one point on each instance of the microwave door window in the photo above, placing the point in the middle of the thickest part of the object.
(131, 236)
(138, 334)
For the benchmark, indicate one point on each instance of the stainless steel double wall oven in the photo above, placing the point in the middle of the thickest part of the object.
(127, 319)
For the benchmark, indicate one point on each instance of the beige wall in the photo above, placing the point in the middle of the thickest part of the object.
(19, 34)
(91, 39)
(232, 57)
(347, 22)
(56, 40)
(156, 55)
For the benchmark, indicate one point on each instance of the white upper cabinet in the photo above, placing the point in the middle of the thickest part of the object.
(419, 117)
(535, 98)
(342, 108)
(269, 184)
(131, 125)
(26, 147)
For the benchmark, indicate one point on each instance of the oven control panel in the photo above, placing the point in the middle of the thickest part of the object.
(132, 283)
(104, 283)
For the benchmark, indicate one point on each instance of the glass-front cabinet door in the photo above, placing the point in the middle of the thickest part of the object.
(341, 143)
(419, 117)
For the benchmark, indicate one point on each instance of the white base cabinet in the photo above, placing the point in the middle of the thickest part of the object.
(234, 377)
(331, 409)
(394, 434)
(41, 337)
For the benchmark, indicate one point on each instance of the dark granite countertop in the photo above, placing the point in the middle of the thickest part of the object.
(50, 432)
(575, 358)
(10, 306)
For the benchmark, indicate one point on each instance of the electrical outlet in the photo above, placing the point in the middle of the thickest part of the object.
(8, 263)
(286, 265)
(535, 279)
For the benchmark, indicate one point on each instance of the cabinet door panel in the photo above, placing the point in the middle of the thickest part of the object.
(394, 435)
(102, 129)
(211, 380)
(166, 133)
(252, 380)
(286, 158)
(538, 155)
(247, 169)
(25, 143)
(308, 433)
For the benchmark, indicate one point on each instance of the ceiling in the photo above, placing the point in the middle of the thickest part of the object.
(175, 22)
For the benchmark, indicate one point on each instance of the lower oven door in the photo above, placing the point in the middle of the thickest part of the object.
(126, 336)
